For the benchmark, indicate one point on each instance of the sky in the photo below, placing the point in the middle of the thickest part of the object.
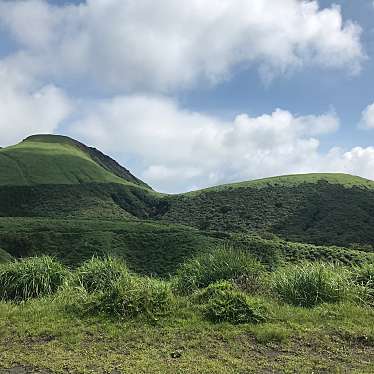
(192, 94)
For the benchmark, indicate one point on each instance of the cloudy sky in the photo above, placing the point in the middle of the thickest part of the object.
(197, 93)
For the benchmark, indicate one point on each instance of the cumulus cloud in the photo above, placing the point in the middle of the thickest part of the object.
(367, 117)
(179, 149)
(167, 44)
(27, 107)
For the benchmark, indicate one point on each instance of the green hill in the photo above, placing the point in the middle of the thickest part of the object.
(314, 208)
(53, 159)
(70, 191)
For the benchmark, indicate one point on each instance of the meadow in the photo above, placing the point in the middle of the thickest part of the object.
(222, 311)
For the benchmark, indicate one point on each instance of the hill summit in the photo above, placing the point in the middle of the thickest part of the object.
(56, 159)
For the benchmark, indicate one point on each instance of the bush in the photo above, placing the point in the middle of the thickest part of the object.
(227, 305)
(99, 274)
(311, 284)
(223, 263)
(30, 278)
(129, 297)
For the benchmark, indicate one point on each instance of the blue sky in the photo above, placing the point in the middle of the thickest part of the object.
(210, 92)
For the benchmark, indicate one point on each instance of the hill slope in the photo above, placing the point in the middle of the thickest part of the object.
(53, 159)
(60, 178)
(314, 208)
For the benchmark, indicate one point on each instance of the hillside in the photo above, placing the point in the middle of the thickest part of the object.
(53, 159)
(314, 208)
(55, 177)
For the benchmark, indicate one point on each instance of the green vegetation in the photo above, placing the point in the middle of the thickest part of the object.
(131, 296)
(234, 278)
(295, 180)
(364, 277)
(53, 160)
(99, 274)
(223, 303)
(317, 210)
(150, 247)
(139, 323)
(4, 256)
(146, 247)
(30, 278)
(223, 263)
(311, 284)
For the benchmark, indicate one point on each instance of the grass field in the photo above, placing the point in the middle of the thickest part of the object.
(53, 335)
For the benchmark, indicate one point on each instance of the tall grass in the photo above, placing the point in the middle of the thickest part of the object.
(224, 303)
(224, 263)
(99, 274)
(30, 278)
(364, 276)
(311, 284)
(128, 297)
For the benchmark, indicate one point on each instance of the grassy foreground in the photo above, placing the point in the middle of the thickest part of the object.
(223, 312)
(329, 339)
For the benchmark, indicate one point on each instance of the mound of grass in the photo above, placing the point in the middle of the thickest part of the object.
(30, 278)
(99, 274)
(311, 284)
(129, 297)
(224, 304)
(223, 263)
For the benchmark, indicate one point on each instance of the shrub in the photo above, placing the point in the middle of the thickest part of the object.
(228, 305)
(99, 274)
(30, 278)
(129, 297)
(310, 284)
(223, 263)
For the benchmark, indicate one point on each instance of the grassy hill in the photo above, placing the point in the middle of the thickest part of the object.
(313, 208)
(52, 159)
(55, 177)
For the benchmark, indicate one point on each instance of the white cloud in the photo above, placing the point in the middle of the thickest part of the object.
(27, 108)
(168, 44)
(180, 150)
(367, 117)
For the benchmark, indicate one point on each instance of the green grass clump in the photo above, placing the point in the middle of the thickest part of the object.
(364, 277)
(224, 263)
(225, 304)
(132, 296)
(99, 274)
(30, 278)
(311, 284)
